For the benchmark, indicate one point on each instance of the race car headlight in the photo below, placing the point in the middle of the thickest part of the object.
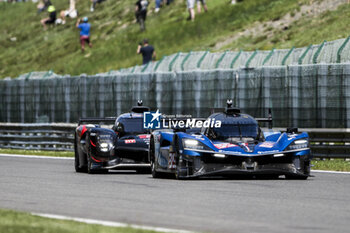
(192, 144)
(105, 143)
(298, 144)
(104, 146)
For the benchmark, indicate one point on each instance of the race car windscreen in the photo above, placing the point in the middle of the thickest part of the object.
(236, 132)
(133, 125)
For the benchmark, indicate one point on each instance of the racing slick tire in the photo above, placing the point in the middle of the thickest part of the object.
(179, 171)
(151, 152)
(155, 174)
(77, 152)
(94, 171)
(305, 170)
(90, 162)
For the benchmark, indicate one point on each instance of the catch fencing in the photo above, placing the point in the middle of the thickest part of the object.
(308, 96)
(305, 87)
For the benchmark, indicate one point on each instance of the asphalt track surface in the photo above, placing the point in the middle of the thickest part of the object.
(319, 204)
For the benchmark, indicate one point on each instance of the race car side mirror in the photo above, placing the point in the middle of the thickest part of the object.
(292, 130)
(120, 129)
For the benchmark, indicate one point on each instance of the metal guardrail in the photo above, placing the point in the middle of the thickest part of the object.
(330, 143)
(325, 143)
(52, 137)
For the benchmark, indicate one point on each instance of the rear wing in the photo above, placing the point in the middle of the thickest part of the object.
(268, 119)
(97, 120)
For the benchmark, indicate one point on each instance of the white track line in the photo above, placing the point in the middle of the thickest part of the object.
(109, 223)
(333, 172)
(35, 156)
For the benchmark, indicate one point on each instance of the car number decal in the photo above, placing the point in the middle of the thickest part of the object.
(171, 161)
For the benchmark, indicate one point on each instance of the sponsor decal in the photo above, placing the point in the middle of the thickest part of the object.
(224, 145)
(267, 152)
(267, 144)
(128, 141)
(144, 136)
(245, 146)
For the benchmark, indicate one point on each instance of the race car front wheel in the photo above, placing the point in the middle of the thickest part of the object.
(155, 174)
(77, 154)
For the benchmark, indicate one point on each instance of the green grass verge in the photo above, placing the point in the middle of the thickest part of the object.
(25, 47)
(331, 165)
(38, 152)
(19, 222)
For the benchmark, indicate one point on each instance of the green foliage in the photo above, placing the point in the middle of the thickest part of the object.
(19, 222)
(26, 47)
(331, 165)
(38, 152)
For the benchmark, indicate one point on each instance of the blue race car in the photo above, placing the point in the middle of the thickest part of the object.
(236, 146)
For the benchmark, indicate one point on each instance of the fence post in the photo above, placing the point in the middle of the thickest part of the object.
(184, 60)
(172, 61)
(268, 56)
(341, 48)
(220, 59)
(158, 63)
(201, 59)
(48, 73)
(145, 67)
(251, 58)
(314, 59)
(287, 55)
(301, 58)
(235, 59)
(28, 76)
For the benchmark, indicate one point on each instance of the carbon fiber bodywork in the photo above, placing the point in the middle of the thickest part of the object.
(123, 146)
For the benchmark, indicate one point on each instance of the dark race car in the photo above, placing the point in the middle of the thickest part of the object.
(237, 147)
(123, 146)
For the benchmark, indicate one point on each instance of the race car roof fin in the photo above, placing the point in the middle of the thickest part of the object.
(140, 109)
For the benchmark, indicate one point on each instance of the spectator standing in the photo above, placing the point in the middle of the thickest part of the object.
(93, 5)
(158, 5)
(190, 7)
(203, 2)
(141, 13)
(52, 17)
(43, 5)
(71, 12)
(84, 33)
(147, 51)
